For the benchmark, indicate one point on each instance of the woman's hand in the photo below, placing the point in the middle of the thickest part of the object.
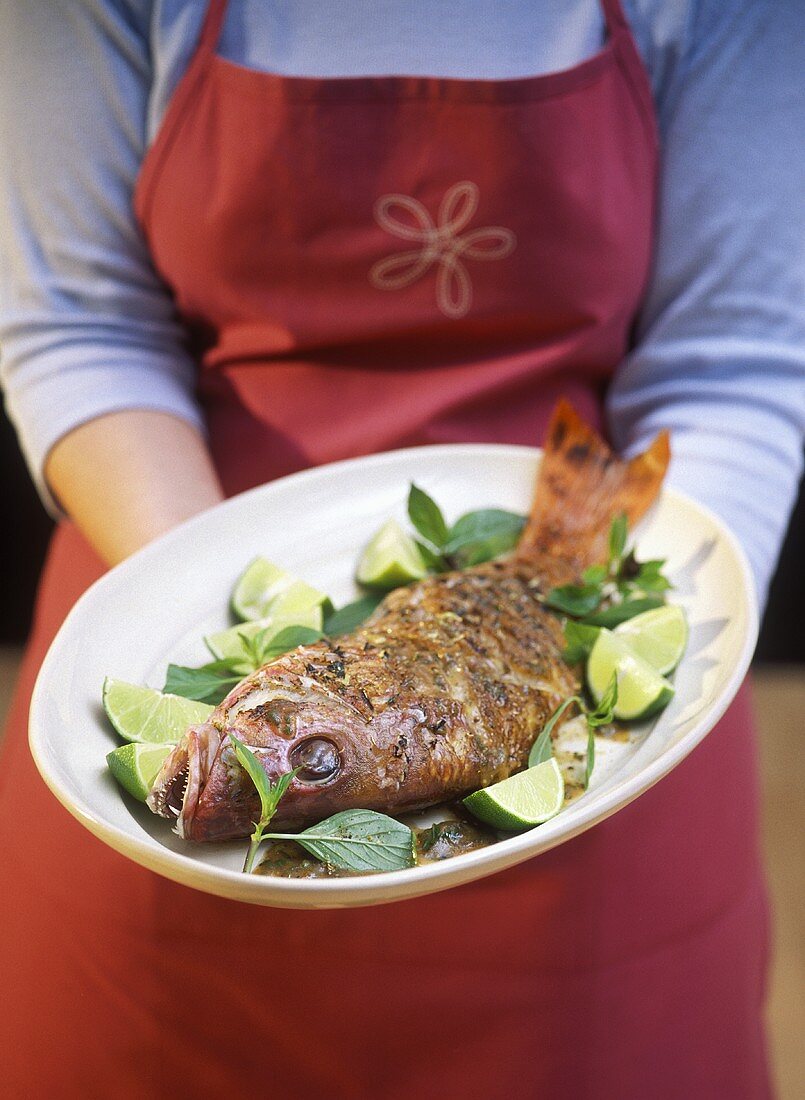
(130, 476)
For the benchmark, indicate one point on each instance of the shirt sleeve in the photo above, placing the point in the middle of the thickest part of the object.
(86, 326)
(720, 350)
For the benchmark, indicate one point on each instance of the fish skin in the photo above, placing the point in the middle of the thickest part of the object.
(442, 691)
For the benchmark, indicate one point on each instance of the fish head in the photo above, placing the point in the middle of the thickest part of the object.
(344, 757)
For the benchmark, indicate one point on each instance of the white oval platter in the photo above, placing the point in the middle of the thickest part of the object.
(157, 606)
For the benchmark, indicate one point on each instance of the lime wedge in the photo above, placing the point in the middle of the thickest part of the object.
(658, 636)
(265, 590)
(642, 691)
(143, 714)
(392, 558)
(226, 643)
(523, 800)
(135, 767)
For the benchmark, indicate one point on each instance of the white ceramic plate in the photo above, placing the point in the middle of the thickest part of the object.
(157, 606)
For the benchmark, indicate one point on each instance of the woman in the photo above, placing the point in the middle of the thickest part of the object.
(357, 262)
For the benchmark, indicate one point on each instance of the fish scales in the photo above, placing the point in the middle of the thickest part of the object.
(442, 691)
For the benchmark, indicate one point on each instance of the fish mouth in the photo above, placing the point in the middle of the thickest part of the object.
(180, 783)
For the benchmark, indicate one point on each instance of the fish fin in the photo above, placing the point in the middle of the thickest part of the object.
(582, 486)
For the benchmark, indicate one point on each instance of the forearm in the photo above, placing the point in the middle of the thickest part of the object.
(719, 356)
(127, 477)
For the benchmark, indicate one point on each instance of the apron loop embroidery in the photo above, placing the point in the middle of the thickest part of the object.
(442, 243)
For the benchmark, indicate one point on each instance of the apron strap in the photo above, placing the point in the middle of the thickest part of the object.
(615, 20)
(619, 33)
(211, 28)
(183, 96)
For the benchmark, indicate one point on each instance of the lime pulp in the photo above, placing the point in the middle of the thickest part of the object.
(391, 559)
(228, 644)
(144, 714)
(521, 801)
(136, 766)
(265, 590)
(658, 636)
(642, 691)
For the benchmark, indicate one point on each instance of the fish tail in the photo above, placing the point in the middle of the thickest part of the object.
(582, 486)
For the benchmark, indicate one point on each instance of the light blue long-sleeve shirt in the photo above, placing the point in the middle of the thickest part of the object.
(87, 328)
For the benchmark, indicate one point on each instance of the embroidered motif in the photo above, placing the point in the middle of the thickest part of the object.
(442, 243)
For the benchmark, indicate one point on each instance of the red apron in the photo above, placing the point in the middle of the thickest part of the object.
(361, 264)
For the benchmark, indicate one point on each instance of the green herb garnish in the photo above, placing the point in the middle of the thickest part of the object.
(359, 840)
(435, 562)
(619, 612)
(580, 639)
(475, 537)
(617, 541)
(542, 749)
(479, 536)
(265, 646)
(426, 516)
(612, 593)
(270, 795)
(602, 715)
(208, 684)
(576, 600)
(351, 615)
(212, 682)
(354, 840)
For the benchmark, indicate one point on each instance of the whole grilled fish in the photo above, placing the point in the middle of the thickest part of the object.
(442, 691)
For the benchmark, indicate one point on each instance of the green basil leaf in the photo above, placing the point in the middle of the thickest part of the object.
(495, 524)
(254, 647)
(617, 537)
(209, 684)
(635, 577)
(601, 716)
(254, 770)
(280, 787)
(483, 535)
(654, 566)
(351, 615)
(588, 767)
(426, 516)
(290, 637)
(433, 561)
(620, 612)
(542, 749)
(474, 553)
(595, 574)
(650, 582)
(574, 599)
(432, 835)
(360, 840)
(604, 712)
(580, 639)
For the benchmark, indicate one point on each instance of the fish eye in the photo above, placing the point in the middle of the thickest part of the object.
(317, 759)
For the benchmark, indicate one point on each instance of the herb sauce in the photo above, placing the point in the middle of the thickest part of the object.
(444, 839)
